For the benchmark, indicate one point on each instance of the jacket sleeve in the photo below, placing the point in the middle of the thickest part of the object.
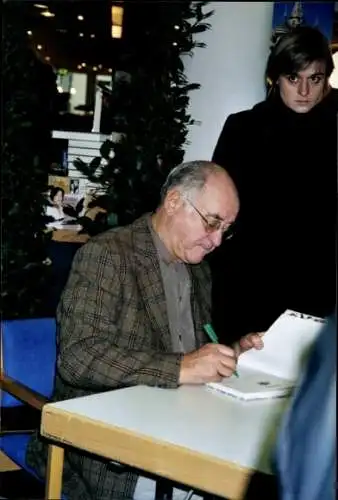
(93, 355)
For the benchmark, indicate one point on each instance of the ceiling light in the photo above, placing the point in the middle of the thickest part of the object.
(116, 15)
(80, 18)
(81, 34)
(110, 70)
(92, 35)
(47, 13)
(176, 27)
(60, 89)
(83, 65)
(174, 44)
(47, 58)
(94, 68)
(39, 47)
(79, 66)
(73, 91)
(29, 33)
(40, 6)
(116, 31)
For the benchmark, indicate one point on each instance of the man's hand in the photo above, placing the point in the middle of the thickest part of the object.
(250, 341)
(210, 363)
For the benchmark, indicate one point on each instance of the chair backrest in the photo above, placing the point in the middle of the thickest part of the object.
(28, 350)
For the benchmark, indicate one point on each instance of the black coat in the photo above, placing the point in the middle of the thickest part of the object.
(283, 255)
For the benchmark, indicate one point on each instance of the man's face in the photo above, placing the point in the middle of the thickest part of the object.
(302, 91)
(192, 237)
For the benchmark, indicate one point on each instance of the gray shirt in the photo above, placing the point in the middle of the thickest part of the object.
(177, 289)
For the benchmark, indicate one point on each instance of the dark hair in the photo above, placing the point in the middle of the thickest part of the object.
(295, 50)
(54, 191)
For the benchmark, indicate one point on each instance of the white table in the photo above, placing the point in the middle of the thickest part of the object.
(190, 435)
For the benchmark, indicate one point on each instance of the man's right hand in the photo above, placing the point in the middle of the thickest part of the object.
(210, 363)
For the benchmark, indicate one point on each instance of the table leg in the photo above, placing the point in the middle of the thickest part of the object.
(54, 473)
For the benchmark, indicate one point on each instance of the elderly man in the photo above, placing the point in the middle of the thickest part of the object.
(134, 308)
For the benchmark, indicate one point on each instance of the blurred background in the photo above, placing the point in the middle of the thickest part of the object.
(84, 41)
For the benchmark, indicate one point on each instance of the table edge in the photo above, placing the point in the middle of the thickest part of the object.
(178, 463)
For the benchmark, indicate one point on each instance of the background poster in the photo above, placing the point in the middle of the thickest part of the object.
(287, 15)
(58, 164)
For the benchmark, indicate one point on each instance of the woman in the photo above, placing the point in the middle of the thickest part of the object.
(282, 155)
(55, 209)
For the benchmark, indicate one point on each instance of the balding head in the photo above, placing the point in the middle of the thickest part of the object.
(192, 176)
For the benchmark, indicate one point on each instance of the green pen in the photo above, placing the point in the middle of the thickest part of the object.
(214, 339)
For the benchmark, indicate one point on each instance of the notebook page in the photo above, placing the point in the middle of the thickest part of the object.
(287, 344)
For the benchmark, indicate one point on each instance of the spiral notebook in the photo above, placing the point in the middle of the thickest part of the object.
(275, 370)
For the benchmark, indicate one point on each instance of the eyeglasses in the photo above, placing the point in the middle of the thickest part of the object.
(212, 224)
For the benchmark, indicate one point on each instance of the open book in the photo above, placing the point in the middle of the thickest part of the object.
(275, 370)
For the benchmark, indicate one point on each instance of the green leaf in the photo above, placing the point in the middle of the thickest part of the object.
(95, 163)
(106, 148)
(150, 109)
(200, 28)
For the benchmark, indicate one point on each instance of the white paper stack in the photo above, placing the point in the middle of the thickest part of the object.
(275, 370)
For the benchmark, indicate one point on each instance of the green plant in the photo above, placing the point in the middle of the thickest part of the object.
(28, 89)
(149, 109)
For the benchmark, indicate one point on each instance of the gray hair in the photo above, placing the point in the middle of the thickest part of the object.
(188, 177)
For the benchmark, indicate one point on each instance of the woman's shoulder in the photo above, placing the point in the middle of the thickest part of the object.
(50, 210)
(54, 212)
(252, 117)
(331, 100)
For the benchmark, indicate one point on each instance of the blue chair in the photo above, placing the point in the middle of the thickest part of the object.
(28, 352)
(28, 355)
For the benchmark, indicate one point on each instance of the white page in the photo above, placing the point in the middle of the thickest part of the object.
(287, 344)
(253, 384)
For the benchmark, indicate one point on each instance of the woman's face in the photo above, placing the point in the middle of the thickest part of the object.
(58, 199)
(302, 91)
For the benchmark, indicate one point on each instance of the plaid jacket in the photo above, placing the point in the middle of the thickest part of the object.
(114, 332)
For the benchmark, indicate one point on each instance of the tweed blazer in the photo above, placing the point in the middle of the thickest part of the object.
(113, 331)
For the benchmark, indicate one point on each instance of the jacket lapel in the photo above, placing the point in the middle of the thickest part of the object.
(200, 300)
(150, 282)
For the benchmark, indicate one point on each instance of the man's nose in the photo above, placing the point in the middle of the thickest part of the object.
(216, 238)
(303, 87)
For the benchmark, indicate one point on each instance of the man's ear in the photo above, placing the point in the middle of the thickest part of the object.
(173, 201)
